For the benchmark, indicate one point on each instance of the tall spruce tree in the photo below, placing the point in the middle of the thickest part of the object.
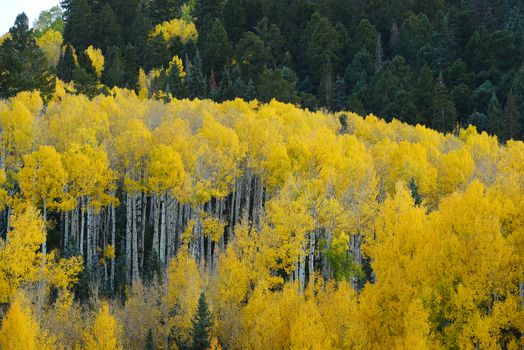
(23, 63)
(196, 82)
(495, 118)
(511, 118)
(66, 63)
(201, 325)
(443, 109)
(79, 23)
(214, 46)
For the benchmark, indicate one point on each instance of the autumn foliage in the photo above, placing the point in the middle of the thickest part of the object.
(305, 230)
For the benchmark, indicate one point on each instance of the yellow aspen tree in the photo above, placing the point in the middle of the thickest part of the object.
(51, 44)
(21, 331)
(176, 28)
(104, 333)
(19, 256)
(42, 180)
(17, 122)
(97, 60)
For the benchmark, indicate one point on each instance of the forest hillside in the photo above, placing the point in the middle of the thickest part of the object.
(150, 207)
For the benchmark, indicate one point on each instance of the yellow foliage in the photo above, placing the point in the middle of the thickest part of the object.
(19, 256)
(213, 226)
(21, 331)
(184, 285)
(51, 43)
(97, 60)
(176, 63)
(104, 333)
(176, 28)
(43, 177)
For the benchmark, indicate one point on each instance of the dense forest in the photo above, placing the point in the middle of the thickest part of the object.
(437, 63)
(197, 175)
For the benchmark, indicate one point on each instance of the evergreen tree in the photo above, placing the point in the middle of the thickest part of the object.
(201, 326)
(212, 9)
(196, 82)
(277, 83)
(252, 54)
(79, 23)
(511, 117)
(23, 65)
(66, 63)
(443, 108)
(234, 18)
(365, 37)
(393, 40)
(326, 88)
(323, 47)
(108, 32)
(495, 117)
(339, 94)
(423, 95)
(131, 66)
(214, 46)
(165, 10)
(150, 345)
(250, 93)
(115, 71)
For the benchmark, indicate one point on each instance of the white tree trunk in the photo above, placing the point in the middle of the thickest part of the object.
(113, 243)
(81, 239)
(163, 229)
(156, 223)
(135, 239)
(129, 218)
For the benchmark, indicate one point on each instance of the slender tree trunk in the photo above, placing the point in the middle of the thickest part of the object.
(44, 243)
(135, 239)
(302, 271)
(143, 231)
(156, 225)
(311, 257)
(113, 243)
(163, 229)
(81, 239)
(89, 233)
(129, 218)
(66, 229)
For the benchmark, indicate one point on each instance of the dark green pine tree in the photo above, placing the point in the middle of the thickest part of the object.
(443, 109)
(208, 8)
(423, 95)
(23, 65)
(326, 88)
(234, 18)
(339, 94)
(196, 82)
(323, 46)
(66, 64)
(415, 192)
(108, 31)
(214, 46)
(150, 345)
(250, 93)
(511, 117)
(84, 77)
(495, 118)
(131, 66)
(278, 83)
(115, 70)
(165, 10)
(201, 326)
(79, 23)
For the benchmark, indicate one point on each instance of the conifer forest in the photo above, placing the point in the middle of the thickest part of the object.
(263, 174)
